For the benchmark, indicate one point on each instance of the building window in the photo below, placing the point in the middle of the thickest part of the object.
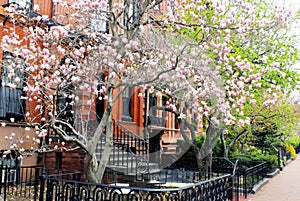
(65, 98)
(11, 91)
(23, 3)
(65, 107)
(126, 104)
(130, 12)
(156, 115)
(98, 19)
(10, 171)
(171, 7)
(58, 160)
(100, 105)
(152, 105)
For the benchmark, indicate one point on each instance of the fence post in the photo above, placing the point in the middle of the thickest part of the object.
(237, 186)
(279, 159)
(5, 182)
(36, 183)
(230, 188)
(245, 183)
(42, 184)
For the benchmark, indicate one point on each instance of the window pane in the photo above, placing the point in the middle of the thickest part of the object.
(126, 104)
(11, 90)
(22, 3)
(98, 20)
(130, 11)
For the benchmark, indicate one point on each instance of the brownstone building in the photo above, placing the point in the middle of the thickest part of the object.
(135, 116)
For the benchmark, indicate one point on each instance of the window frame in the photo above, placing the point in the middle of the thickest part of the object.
(27, 4)
(98, 20)
(126, 104)
(130, 10)
(12, 105)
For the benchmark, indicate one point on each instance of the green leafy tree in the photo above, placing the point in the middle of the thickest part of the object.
(270, 126)
(251, 46)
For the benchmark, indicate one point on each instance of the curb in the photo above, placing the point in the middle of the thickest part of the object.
(288, 162)
(258, 186)
(273, 174)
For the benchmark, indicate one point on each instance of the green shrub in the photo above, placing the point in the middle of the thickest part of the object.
(294, 141)
(217, 150)
(256, 156)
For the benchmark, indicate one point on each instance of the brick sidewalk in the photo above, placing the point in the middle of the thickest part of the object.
(283, 187)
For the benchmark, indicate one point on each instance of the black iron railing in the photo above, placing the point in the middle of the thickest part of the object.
(182, 176)
(215, 189)
(25, 182)
(129, 153)
(246, 179)
(245, 175)
(124, 160)
(124, 136)
(285, 155)
(38, 183)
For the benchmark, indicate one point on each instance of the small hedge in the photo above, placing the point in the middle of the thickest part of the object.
(271, 159)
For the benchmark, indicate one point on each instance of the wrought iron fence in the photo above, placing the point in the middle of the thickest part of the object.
(246, 179)
(218, 189)
(19, 182)
(38, 183)
(245, 175)
(297, 149)
(285, 155)
(25, 182)
(181, 176)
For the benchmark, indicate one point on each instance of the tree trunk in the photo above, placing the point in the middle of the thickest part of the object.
(225, 150)
(94, 171)
(208, 163)
(106, 152)
(89, 171)
(199, 158)
(232, 143)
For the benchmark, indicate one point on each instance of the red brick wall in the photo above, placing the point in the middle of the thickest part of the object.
(71, 160)
(46, 7)
(74, 159)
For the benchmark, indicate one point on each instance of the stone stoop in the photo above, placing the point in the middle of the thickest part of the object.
(116, 156)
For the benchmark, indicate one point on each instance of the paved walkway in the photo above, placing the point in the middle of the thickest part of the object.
(283, 187)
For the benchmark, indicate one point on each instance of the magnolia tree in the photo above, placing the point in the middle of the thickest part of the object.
(71, 65)
(205, 56)
(251, 46)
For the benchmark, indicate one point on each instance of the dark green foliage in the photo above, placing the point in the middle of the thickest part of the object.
(294, 141)
(217, 150)
(256, 156)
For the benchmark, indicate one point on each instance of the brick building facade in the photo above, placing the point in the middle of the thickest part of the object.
(130, 111)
